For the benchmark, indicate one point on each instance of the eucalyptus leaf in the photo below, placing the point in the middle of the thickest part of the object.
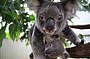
(14, 31)
(2, 35)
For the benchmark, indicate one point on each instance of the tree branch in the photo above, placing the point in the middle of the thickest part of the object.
(82, 51)
(80, 26)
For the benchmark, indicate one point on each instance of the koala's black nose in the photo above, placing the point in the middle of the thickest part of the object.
(50, 24)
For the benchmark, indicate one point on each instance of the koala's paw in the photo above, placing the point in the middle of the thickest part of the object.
(66, 55)
(51, 53)
(80, 43)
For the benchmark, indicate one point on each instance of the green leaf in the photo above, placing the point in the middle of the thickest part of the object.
(81, 36)
(9, 16)
(32, 17)
(14, 31)
(3, 2)
(7, 35)
(2, 35)
(1, 40)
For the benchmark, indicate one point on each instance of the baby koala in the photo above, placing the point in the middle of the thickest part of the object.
(55, 48)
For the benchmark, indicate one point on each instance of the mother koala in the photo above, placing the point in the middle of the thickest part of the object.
(51, 22)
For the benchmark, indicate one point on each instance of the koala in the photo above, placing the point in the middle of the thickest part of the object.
(51, 19)
(55, 48)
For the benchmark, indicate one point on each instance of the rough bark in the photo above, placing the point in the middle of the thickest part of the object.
(80, 26)
(82, 51)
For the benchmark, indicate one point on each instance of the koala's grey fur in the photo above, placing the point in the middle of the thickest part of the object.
(56, 49)
(51, 20)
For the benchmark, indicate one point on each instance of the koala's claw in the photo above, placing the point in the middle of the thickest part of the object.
(80, 43)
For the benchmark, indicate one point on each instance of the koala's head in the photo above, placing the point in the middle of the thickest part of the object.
(51, 16)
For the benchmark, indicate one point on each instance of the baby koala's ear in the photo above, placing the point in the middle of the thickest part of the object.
(35, 4)
(71, 6)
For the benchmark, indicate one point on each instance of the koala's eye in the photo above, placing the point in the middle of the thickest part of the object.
(41, 20)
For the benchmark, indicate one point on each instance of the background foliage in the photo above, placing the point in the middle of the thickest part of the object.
(14, 20)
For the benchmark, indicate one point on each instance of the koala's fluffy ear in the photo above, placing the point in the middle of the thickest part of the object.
(35, 4)
(71, 6)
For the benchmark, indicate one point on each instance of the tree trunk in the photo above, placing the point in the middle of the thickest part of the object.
(82, 51)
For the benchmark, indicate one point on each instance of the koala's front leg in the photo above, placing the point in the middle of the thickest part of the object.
(37, 44)
(70, 35)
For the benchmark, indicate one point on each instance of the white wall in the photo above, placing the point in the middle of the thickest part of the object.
(14, 50)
